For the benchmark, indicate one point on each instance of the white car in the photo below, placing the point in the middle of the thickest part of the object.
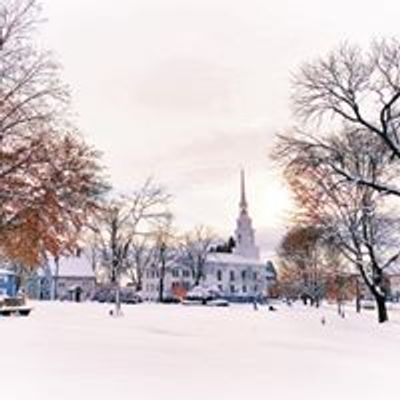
(218, 303)
(368, 304)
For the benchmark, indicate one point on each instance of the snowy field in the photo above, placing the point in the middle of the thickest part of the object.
(77, 351)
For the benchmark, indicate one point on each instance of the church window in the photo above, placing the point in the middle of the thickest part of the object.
(175, 273)
(175, 285)
(219, 275)
(232, 275)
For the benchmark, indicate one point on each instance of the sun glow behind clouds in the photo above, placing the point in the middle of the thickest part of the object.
(188, 91)
(271, 201)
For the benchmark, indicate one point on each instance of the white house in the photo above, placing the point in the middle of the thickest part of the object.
(240, 275)
(68, 278)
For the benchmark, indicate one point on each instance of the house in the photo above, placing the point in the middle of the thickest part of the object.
(238, 276)
(69, 278)
(8, 283)
(392, 275)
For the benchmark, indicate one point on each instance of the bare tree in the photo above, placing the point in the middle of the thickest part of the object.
(121, 222)
(358, 88)
(142, 257)
(165, 253)
(195, 247)
(355, 217)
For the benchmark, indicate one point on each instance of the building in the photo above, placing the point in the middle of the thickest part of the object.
(65, 278)
(8, 283)
(237, 276)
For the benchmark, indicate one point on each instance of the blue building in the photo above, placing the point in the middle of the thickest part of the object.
(8, 283)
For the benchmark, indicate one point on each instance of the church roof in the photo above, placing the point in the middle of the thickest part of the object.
(230, 258)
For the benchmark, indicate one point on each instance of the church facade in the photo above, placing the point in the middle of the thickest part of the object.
(238, 276)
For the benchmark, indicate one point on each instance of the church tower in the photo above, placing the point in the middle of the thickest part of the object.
(244, 233)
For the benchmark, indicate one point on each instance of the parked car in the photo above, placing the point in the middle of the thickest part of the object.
(14, 306)
(203, 295)
(108, 295)
(218, 303)
(368, 304)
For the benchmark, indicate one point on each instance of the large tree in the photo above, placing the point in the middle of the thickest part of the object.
(356, 218)
(358, 88)
(50, 178)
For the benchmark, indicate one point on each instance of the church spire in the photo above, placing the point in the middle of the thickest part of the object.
(244, 233)
(243, 201)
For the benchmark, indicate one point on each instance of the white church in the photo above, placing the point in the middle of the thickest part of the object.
(238, 276)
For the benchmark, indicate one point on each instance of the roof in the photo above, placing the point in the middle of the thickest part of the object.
(4, 271)
(394, 269)
(72, 267)
(230, 258)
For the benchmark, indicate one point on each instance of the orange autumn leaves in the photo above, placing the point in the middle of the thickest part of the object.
(49, 190)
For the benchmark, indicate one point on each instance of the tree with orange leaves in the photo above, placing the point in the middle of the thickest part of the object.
(50, 180)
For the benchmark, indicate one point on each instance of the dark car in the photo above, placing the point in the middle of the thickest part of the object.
(108, 295)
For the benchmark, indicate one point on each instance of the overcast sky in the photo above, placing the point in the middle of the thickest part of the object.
(191, 91)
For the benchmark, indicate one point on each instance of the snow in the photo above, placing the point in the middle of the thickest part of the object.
(231, 258)
(4, 271)
(72, 266)
(77, 351)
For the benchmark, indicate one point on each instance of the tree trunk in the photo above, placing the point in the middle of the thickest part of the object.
(382, 310)
(54, 294)
(162, 275)
(161, 289)
(339, 304)
(358, 297)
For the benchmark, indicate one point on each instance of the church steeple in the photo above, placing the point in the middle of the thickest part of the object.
(244, 233)
(243, 201)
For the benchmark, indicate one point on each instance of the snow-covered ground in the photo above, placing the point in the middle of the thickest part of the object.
(77, 351)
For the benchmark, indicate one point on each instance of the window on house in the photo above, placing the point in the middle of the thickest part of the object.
(186, 273)
(255, 288)
(255, 276)
(232, 275)
(244, 289)
(175, 285)
(232, 288)
(175, 273)
(219, 275)
(243, 274)
(220, 288)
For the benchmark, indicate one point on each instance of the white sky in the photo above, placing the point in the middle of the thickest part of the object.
(189, 91)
